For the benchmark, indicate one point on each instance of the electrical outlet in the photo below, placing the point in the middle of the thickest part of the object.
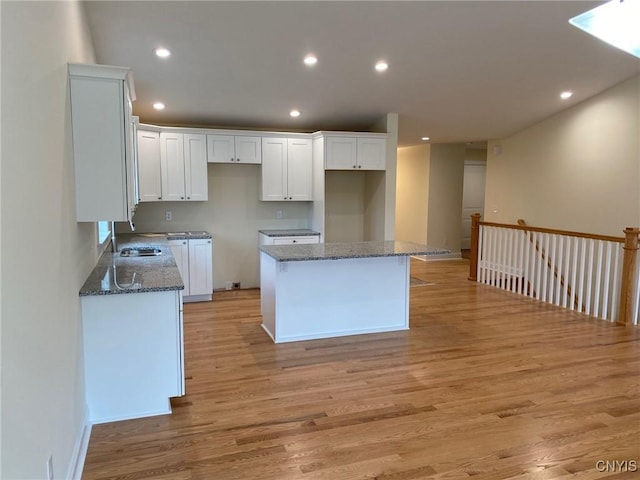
(229, 285)
(236, 285)
(278, 214)
(168, 216)
(50, 468)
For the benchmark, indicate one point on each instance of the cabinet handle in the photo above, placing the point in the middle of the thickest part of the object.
(237, 159)
(188, 198)
(159, 198)
(354, 166)
(290, 198)
(181, 198)
(232, 159)
(295, 241)
(359, 166)
(209, 241)
(184, 242)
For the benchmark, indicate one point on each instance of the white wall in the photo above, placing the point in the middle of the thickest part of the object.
(412, 193)
(233, 215)
(43, 402)
(446, 174)
(578, 170)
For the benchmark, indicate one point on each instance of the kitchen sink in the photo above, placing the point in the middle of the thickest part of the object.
(140, 252)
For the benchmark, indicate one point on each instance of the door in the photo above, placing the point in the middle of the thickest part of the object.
(372, 153)
(195, 167)
(200, 267)
(472, 198)
(180, 250)
(248, 149)
(149, 178)
(172, 166)
(274, 169)
(221, 149)
(341, 153)
(300, 169)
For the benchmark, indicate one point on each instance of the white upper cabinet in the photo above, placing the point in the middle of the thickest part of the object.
(359, 152)
(172, 165)
(195, 167)
(150, 180)
(287, 168)
(183, 167)
(234, 149)
(103, 142)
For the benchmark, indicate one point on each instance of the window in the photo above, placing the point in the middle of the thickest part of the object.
(104, 234)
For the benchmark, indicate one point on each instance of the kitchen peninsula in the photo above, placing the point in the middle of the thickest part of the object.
(335, 289)
(132, 332)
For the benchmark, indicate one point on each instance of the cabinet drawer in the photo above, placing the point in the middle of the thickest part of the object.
(296, 240)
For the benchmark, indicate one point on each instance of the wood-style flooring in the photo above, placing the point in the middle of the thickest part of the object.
(485, 385)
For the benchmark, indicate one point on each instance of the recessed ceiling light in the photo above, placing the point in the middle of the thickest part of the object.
(566, 95)
(159, 106)
(310, 60)
(425, 138)
(381, 66)
(163, 52)
(294, 113)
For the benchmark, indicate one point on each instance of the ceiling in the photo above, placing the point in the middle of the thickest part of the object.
(458, 71)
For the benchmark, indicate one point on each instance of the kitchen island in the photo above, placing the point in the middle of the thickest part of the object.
(335, 289)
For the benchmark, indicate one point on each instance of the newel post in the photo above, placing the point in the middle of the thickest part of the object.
(629, 276)
(473, 255)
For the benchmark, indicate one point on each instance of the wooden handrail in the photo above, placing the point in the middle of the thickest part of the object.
(568, 233)
(629, 277)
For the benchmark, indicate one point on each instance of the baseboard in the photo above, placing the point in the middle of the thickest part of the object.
(196, 298)
(80, 450)
(435, 258)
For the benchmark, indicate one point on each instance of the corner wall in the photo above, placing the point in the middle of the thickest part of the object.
(412, 197)
(578, 170)
(43, 402)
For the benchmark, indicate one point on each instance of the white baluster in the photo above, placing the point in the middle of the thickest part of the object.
(583, 254)
(607, 286)
(589, 279)
(596, 296)
(559, 261)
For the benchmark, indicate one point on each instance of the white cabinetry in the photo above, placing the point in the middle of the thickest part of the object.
(287, 169)
(183, 165)
(355, 152)
(103, 142)
(149, 172)
(234, 149)
(133, 354)
(288, 239)
(194, 260)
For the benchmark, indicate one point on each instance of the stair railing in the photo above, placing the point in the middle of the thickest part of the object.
(594, 274)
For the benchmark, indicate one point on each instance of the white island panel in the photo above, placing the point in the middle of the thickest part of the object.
(304, 300)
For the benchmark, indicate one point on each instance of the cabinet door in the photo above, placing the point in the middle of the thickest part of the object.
(200, 267)
(299, 169)
(99, 145)
(180, 251)
(172, 166)
(221, 149)
(372, 153)
(195, 167)
(274, 169)
(149, 166)
(248, 149)
(341, 153)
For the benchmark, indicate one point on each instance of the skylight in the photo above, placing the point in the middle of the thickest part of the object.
(615, 22)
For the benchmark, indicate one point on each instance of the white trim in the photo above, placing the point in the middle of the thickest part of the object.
(150, 413)
(80, 450)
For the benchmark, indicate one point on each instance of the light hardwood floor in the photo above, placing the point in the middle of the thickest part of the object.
(486, 385)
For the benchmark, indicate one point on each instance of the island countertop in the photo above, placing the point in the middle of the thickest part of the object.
(114, 274)
(338, 251)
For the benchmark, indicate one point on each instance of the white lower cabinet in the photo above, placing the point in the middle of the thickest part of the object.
(194, 260)
(133, 354)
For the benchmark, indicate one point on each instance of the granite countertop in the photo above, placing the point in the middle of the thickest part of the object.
(337, 251)
(115, 274)
(295, 232)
